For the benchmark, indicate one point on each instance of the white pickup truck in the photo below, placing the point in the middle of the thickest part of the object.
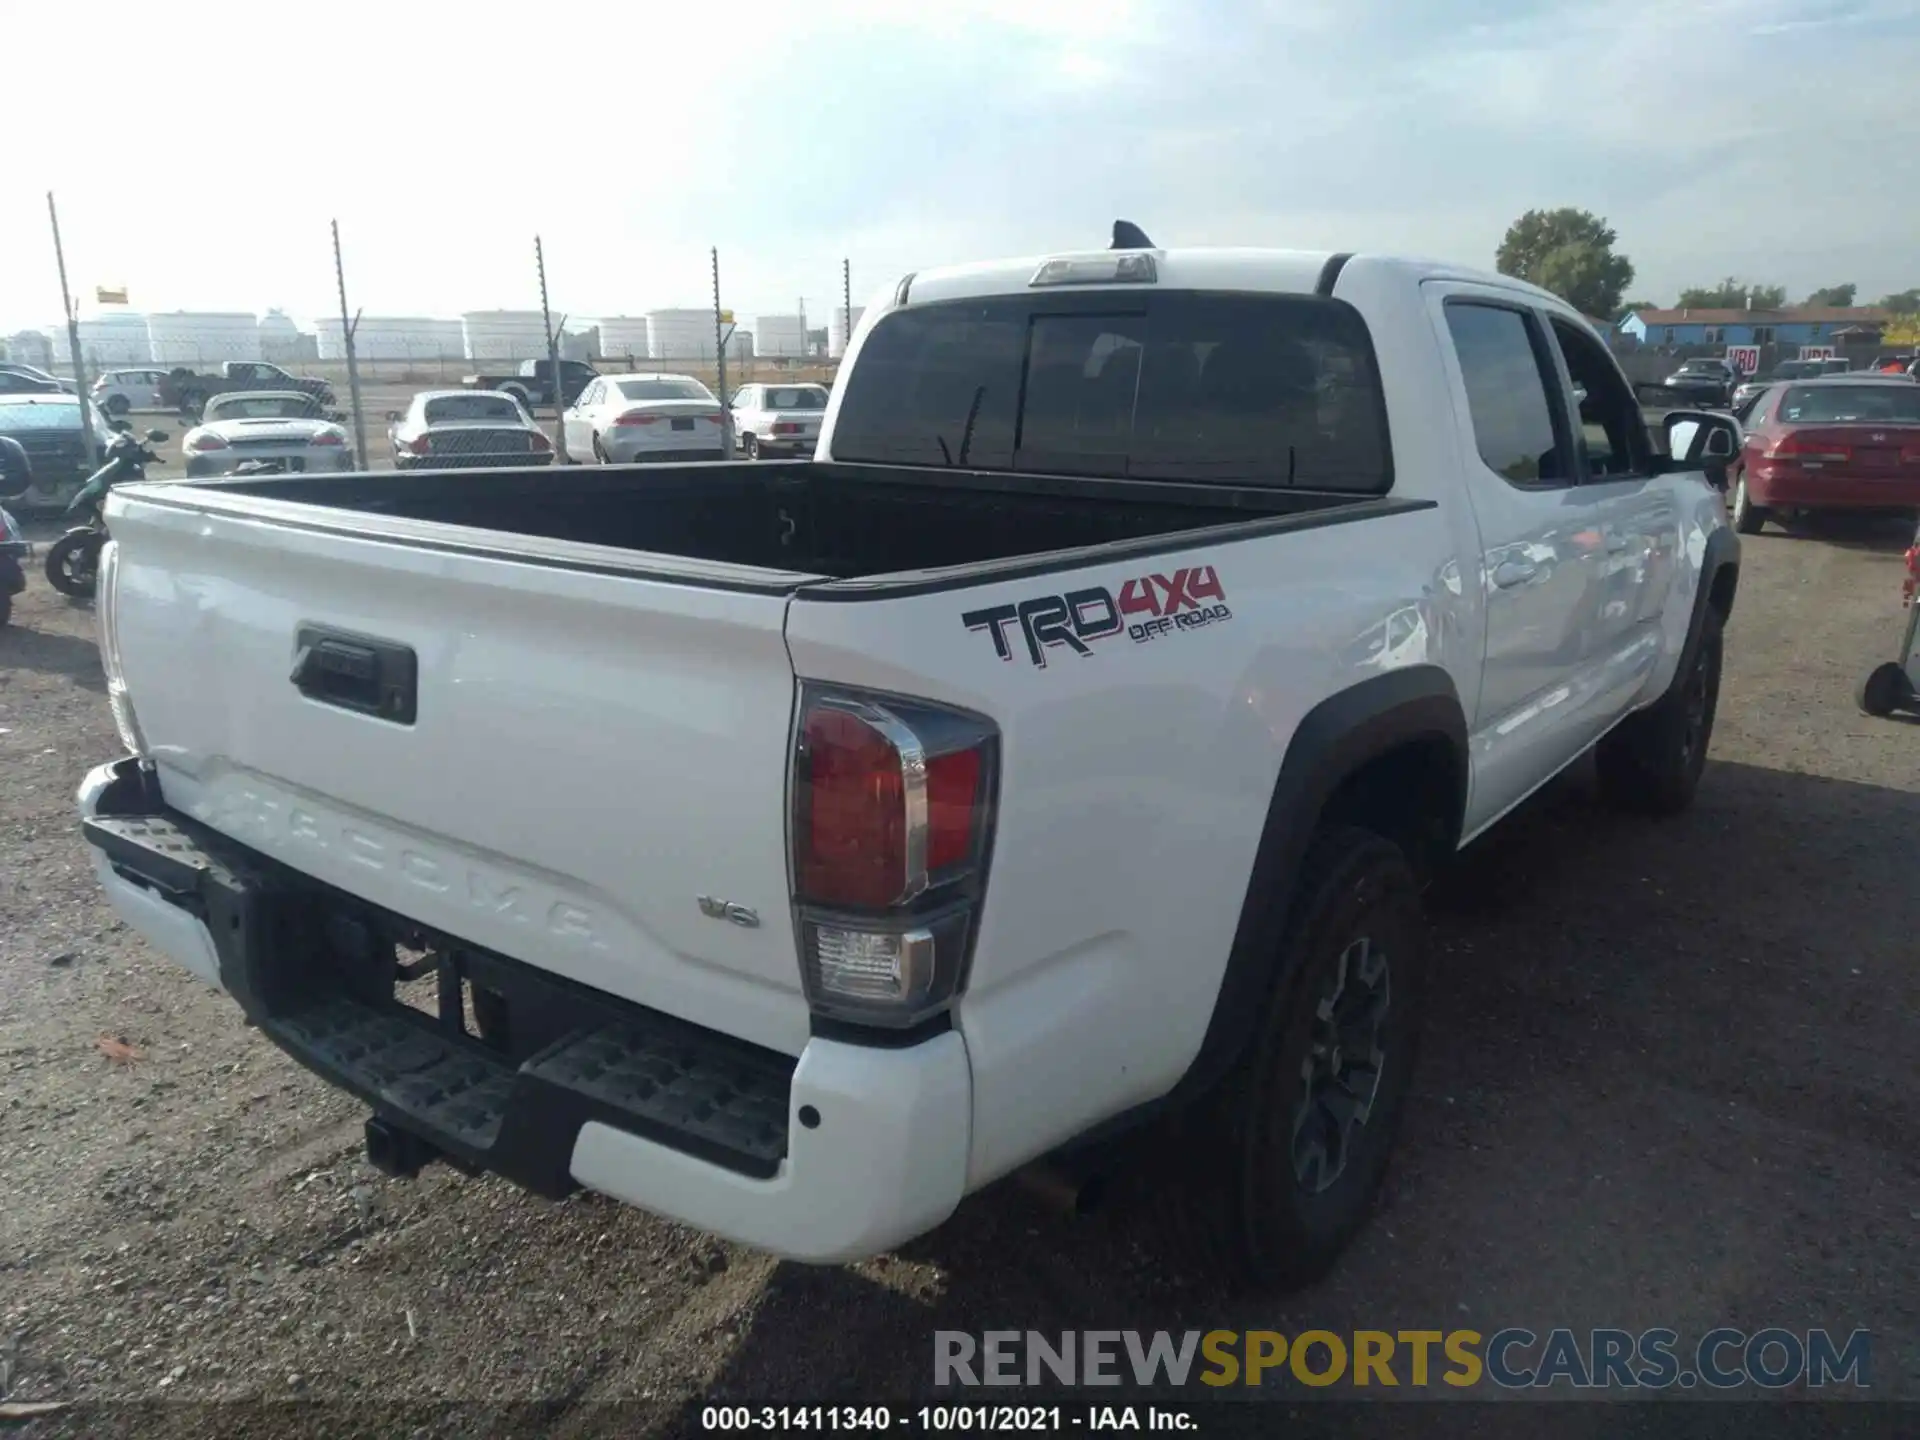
(793, 849)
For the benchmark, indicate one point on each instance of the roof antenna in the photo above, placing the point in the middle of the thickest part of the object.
(1129, 236)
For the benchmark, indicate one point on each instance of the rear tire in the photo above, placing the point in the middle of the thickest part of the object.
(1294, 1147)
(116, 405)
(1884, 690)
(1650, 763)
(6, 611)
(752, 447)
(73, 563)
(1748, 518)
(600, 452)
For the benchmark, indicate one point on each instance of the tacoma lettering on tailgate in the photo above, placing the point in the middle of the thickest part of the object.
(281, 824)
(1145, 609)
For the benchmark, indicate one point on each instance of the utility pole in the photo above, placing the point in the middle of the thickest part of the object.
(803, 327)
(846, 307)
(73, 342)
(553, 362)
(347, 329)
(722, 332)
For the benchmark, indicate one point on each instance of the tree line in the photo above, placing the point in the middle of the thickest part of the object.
(1571, 252)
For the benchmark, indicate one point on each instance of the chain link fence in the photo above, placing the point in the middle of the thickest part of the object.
(365, 368)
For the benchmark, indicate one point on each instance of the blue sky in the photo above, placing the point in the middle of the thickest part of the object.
(1775, 139)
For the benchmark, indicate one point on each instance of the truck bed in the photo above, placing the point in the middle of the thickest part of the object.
(837, 521)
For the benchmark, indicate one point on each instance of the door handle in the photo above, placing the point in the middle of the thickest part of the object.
(1510, 573)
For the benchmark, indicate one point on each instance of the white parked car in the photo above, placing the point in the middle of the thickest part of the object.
(1066, 745)
(625, 419)
(119, 391)
(284, 425)
(778, 420)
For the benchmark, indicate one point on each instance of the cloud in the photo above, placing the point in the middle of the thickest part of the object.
(1711, 133)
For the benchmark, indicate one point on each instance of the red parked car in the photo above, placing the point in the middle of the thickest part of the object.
(1847, 442)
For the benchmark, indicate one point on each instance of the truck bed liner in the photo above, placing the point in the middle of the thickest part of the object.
(824, 519)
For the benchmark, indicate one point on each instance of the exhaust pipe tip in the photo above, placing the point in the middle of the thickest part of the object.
(1069, 1191)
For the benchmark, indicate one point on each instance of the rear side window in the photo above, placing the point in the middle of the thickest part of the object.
(1506, 392)
(1227, 389)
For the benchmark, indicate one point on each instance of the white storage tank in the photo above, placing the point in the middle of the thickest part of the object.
(115, 337)
(680, 335)
(395, 337)
(623, 337)
(277, 328)
(840, 329)
(34, 347)
(779, 335)
(203, 337)
(498, 335)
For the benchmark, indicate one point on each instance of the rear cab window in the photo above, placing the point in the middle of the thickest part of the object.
(1230, 389)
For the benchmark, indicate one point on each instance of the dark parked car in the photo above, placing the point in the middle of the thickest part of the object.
(1711, 381)
(532, 383)
(188, 392)
(30, 380)
(48, 429)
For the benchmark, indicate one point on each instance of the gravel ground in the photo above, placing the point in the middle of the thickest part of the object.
(1670, 1078)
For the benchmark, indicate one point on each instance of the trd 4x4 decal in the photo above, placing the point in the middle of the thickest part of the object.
(1145, 609)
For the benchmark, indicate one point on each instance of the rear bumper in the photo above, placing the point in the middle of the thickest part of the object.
(471, 462)
(842, 1154)
(670, 448)
(1768, 486)
(303, 460)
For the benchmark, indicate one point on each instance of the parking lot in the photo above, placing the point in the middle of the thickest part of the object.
(1671, 1077)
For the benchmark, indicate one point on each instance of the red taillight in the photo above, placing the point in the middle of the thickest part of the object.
(540, 444)
(785, 427)
(327, 437)
(892, 813)
(1789, 447)
(207, 442)
(636, 417)
(953, 808)
(853, 850)
(420, 445)
(1911, 585)
(711, 419)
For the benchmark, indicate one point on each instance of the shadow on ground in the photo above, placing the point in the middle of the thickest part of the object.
(1643, 1008)
(52, 653)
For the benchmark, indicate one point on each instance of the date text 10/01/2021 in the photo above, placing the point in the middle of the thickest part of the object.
(944, 1419)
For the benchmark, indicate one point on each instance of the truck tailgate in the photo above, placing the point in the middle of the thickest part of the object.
(591, 752)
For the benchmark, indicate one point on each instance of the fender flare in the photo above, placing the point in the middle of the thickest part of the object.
(1722, 553)
(1332, 742)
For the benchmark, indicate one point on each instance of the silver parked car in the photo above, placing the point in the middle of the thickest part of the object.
(448, 429)
(778, 420)
(285, 426)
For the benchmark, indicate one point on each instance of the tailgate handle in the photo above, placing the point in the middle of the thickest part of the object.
(356, 672)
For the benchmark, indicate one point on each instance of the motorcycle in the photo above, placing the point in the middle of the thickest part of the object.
(73, 561)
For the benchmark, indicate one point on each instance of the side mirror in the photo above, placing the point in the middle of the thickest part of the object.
(1700, 439)
(393, 418)
(337, 417)
(156, 437)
